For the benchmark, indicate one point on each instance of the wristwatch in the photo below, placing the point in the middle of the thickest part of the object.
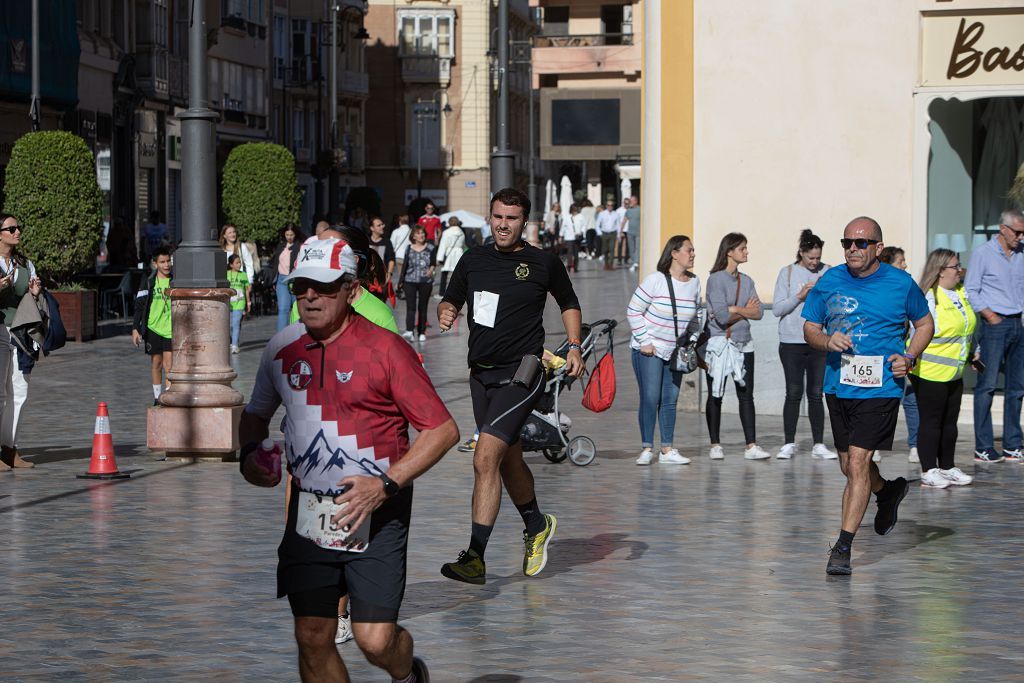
(575, 345)
(391, 487)
(911, 360)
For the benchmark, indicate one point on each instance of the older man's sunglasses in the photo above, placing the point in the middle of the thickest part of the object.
(858, 242)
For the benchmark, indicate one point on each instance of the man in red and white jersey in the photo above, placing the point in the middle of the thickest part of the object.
(350, 391)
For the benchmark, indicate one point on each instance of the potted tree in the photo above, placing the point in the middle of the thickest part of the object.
(51, 187)
(259, 191)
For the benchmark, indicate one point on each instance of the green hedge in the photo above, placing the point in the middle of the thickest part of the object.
(260, 193)
(51, 188)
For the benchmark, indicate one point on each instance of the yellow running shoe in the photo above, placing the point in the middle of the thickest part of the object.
(469, 568)
(536, 556)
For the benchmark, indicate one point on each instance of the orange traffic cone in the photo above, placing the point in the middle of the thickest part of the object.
(103, 465)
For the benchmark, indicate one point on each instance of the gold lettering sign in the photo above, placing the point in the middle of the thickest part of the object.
(982, 49)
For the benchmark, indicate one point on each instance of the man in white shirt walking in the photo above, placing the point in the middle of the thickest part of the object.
(608, 222)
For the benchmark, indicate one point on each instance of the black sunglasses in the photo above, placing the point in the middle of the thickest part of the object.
(1018, 233)
(301, 285)
(11, 229)
(859, 242)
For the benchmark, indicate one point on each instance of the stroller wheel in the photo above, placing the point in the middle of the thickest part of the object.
(555, 455)
(582, 450)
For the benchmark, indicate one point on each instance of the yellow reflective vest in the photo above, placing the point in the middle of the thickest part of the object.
(947, 353)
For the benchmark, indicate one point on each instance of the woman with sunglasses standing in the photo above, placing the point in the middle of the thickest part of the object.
(17, 278)
(938, 376)
(800, 362)
(732, 304)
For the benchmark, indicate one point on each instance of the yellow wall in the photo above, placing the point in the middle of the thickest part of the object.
(676, 119)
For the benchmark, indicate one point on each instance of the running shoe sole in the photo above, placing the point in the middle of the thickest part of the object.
(547, 542)
(895, 508)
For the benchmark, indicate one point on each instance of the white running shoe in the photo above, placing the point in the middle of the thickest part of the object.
(646, 457)
(673, 457)
(820, 450)
(956, 476)
(423, 337)
(876, 457)
(786, 452)
(755, 452)
(913, 455)
(716, 453)
(234, 348)
(407, 336)
(344, 633)
(933, 479)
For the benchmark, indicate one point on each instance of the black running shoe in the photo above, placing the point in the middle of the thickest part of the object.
(839, 561)
(888, 503)
(419, 667)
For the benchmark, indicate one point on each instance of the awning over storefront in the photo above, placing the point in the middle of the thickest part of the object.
(58, 52)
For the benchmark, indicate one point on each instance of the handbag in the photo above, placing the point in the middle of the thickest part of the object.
(684, 356)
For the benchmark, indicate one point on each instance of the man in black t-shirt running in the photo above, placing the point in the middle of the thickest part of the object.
(505, 286)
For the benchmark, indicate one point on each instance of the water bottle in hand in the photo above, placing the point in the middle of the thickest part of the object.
(268, 456)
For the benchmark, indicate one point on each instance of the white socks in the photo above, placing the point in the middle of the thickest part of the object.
(157, 388)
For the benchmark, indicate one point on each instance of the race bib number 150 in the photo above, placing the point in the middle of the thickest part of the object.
(314, 522)
(860, 371)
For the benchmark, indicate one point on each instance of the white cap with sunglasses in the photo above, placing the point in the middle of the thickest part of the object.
(324, 260)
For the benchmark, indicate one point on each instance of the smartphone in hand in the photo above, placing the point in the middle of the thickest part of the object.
(978, 366)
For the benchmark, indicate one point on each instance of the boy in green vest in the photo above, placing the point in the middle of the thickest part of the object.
(153, 319)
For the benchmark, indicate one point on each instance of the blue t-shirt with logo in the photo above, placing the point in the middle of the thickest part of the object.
(874, 311)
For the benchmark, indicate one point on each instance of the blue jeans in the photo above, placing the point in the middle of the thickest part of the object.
(913, 417)
(236, 326)
(1001, 344)
(284, 303)
(659, 392)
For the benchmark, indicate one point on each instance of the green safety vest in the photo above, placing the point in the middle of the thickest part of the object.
(946, 355)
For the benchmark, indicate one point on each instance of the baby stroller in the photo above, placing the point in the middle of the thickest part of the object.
(547, 429)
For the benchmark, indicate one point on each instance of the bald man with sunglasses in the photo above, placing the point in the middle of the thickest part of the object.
(857, 313)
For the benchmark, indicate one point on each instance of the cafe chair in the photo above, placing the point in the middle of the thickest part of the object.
(122, 294)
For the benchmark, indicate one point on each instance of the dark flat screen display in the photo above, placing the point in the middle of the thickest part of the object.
(585, 122)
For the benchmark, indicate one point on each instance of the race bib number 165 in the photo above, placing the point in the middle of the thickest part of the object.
(860, 371)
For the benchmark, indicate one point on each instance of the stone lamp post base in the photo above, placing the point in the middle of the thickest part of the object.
(197, 418)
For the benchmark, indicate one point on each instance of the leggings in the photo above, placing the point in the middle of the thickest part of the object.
(939, 406)
(444, 282)
(571, 254)
(798, 361)
(745, 394)
(417, 298)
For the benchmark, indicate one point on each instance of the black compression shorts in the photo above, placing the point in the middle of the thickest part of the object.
(314, 578)
(868, 423)
(500, 407)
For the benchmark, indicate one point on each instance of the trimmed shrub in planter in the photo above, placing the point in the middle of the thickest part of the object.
(51, 188)
(260, 192)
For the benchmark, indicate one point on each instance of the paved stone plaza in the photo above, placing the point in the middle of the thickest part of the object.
(711, 571)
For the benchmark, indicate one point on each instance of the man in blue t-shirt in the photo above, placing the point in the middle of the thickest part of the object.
(858, 314)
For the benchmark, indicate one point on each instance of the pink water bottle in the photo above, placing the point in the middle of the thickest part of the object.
(268, 456)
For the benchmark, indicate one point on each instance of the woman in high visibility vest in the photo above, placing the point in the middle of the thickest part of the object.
(937, 376)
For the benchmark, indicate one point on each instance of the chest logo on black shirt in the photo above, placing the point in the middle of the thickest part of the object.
(522, 271)
(300, 374)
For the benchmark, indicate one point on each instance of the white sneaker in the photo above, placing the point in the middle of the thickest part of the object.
(673, 457)
(344, 633)
(646, 457)
(407, 336)
(234, 348)
(820, 450)
(716, 453)
(933, 479)
(913, 455)
(876, 457)
(755, 452)
(956, 476)
(423, 337)
(634, 267)
(786, 452)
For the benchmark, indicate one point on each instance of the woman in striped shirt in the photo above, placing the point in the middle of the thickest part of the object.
(655, 328)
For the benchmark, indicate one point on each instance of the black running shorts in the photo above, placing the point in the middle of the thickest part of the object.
(868, 423)
(314, 578)
(500, 407)
(155, 344)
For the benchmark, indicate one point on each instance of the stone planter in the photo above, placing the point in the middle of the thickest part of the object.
(78, 311)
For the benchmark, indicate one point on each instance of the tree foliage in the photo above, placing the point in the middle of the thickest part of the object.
(51, 189)
(260, 192)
